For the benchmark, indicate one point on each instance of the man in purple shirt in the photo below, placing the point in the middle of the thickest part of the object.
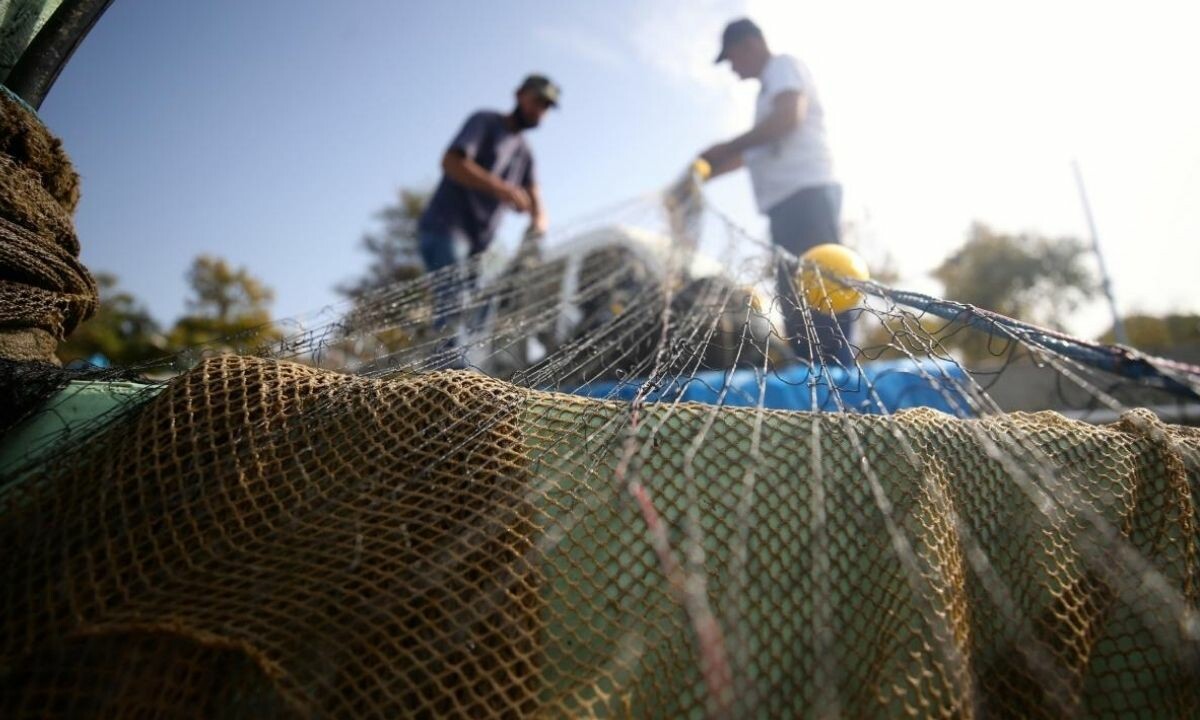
(487, 166)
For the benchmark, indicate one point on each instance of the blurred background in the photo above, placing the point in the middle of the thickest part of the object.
(248, 149)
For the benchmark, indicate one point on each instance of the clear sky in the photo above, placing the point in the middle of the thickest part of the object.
(270, 132)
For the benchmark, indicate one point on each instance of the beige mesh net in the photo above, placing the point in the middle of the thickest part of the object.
(256, 538)
(265, 539)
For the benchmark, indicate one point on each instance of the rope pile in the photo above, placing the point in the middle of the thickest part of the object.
(45, 291)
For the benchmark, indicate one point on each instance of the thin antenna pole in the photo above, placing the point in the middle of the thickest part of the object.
(1105, 279)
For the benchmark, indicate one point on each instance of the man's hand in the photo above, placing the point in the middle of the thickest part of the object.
(530, 248)
(466, 171)
(722, 158)
(537, 225)
(513, 196)
(788, 110)
(720, 155)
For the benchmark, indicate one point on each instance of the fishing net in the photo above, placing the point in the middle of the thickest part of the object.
(45, 291)
(264, 538)
(600, 481)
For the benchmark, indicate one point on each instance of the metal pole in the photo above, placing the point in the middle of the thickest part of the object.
(1105, 279)
(38, 68)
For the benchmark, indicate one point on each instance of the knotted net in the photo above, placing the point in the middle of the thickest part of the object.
(598, 482)
(267, 539)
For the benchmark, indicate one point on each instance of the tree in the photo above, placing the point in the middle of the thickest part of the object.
(381, 328)
(121, 331)
(228, 308)
(1028, 277)
(1158, 335)
(395, 256)
(898, 334)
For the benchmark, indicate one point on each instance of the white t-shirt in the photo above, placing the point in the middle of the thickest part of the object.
(801, 158)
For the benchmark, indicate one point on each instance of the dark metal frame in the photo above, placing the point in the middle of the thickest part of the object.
(37, 70)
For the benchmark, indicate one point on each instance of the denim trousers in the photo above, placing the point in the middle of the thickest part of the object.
(803, 220)
(449, 286)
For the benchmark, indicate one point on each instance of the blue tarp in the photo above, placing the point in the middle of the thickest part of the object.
(897, 384)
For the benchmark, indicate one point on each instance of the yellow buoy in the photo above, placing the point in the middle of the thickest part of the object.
(702, 169)
(818, 269)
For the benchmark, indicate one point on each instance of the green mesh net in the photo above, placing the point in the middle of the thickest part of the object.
(602, 480)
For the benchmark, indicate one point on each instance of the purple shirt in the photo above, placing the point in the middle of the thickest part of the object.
(486, 139)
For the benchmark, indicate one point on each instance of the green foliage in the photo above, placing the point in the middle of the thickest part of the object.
(1029, 277)
(898, 336)
(1158, 335)
(395, 256)
(121, 330)
(1025, 276)
(228, 309)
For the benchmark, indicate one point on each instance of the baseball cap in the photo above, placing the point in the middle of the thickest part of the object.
(544, 88)
(735, 32)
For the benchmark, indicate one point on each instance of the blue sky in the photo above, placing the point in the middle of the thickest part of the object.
(270, 132)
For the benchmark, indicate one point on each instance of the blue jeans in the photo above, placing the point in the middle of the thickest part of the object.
(437, 252)
(804, 220)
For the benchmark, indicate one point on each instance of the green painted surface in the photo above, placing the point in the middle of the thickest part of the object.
(21, 21)
(73, 414)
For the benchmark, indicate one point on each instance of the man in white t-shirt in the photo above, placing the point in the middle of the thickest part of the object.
(792, 173)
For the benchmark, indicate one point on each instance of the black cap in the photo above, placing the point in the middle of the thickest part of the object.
(735, 32)
(543, 87)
